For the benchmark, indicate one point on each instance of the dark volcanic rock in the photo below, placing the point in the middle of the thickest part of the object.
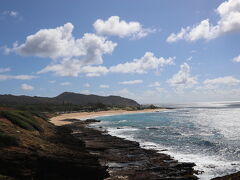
(92, 121)
(48, 167)
(49, 155)
(126, 160)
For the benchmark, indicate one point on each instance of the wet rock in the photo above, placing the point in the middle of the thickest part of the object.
(92, 121)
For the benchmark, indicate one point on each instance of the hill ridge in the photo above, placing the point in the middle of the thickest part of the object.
(67, 97)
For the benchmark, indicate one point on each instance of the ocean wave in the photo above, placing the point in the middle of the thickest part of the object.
(207, 137)
(122, 121)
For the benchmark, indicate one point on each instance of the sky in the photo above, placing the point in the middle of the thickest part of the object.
(152, 51)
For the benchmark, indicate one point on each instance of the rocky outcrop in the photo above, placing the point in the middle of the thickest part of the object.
(46, 155)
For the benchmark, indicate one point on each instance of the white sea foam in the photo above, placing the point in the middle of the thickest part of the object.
(211, 166)
(122, 121)
(121, 132)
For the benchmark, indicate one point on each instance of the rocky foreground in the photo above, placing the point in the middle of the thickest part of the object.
(31, 148)
(126, 160)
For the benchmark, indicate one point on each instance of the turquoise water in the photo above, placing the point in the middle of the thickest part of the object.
(208, 136)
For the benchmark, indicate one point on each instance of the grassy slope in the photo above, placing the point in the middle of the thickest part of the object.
(31, 147)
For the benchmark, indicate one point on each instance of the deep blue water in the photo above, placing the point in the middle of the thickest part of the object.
(208, 135)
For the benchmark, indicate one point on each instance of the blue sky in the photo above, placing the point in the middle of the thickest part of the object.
(151, 51)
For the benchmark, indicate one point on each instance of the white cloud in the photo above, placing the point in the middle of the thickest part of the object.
(155, 84)
(60, 43)
(87, 92)
(94, 71)
(116, 27)
(16, 77)
(104, 86)
(227, 80)
(236, 59)
(229, 12)
(69, 54)
(74, 68)
(181, 35)
(86, 85)
(217, 92)
(147, 62)
(3, 70)
(65, 83)
(27, 87)
(11, 13)
(183, 79)
(131, 82)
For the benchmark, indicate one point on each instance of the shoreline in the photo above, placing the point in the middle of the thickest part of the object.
(76, 120)
(61, 119)
(125, 159)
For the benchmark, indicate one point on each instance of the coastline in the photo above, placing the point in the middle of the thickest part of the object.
(61, 119)
(125, 159)
(97, 141)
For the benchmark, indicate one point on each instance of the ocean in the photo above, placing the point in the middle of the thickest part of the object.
(207, 134)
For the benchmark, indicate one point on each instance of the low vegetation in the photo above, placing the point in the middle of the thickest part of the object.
(22, 119)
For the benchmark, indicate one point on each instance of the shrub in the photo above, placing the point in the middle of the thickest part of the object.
(22, 119)
(40, 115)
(28, 117)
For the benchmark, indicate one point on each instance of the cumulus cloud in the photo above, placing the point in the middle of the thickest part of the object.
(147, 62)
(94, 71)
(229, 21)
(183, 79)
(65, 83)
(131, 82)
(221, 88)
(227, 80)
(60, 43)
(68, 53)
(236, 59)
(72, 67)
(3, 70)
(113, 26)
(104, 86)
(27, 87)
(16, 77)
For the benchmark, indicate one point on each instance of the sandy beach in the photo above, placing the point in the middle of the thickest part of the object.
(60, 120)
